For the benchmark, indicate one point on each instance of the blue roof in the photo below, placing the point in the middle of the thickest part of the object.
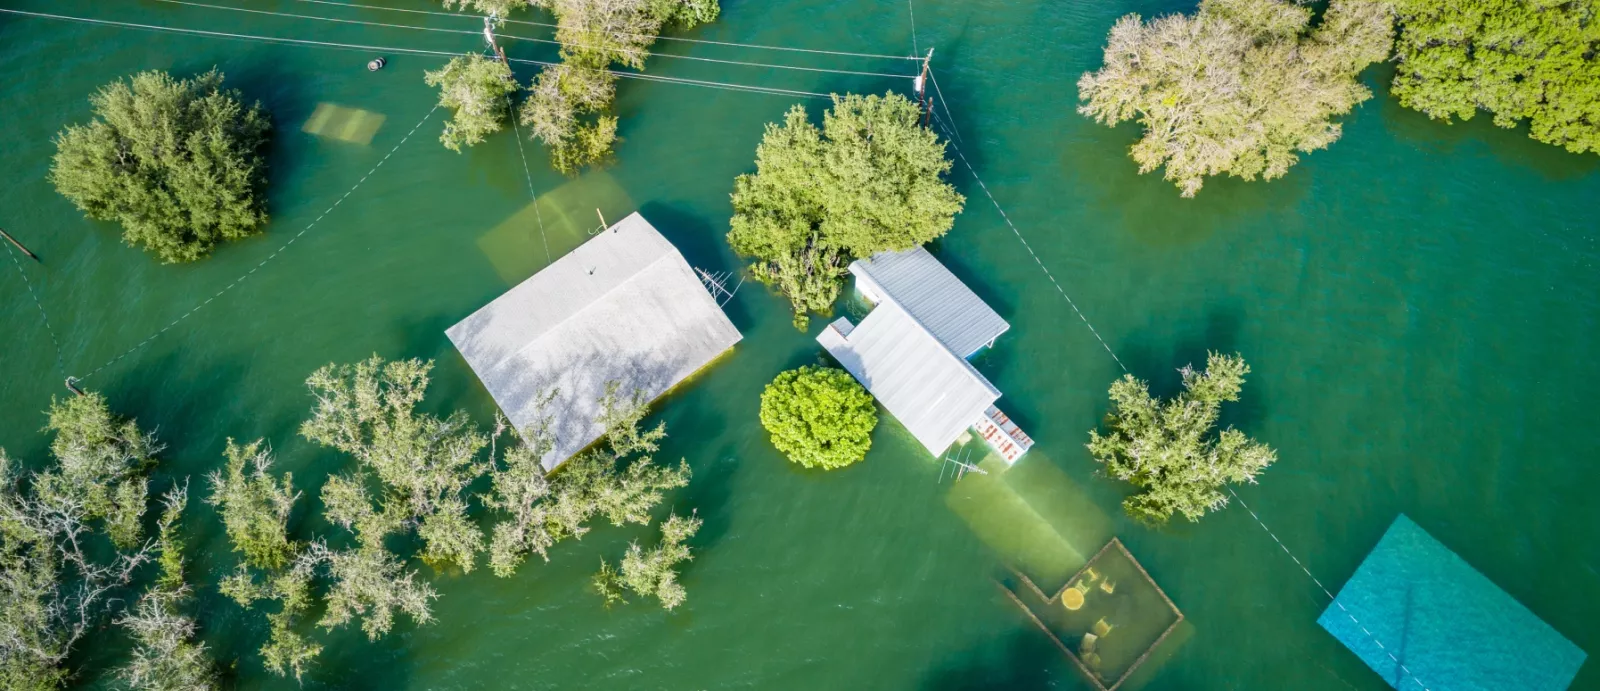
(1423, 618)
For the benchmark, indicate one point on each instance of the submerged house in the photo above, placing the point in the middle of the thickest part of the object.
(911, 352)
(623, 307)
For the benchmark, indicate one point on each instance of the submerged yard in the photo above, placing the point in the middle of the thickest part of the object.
(1420, 306)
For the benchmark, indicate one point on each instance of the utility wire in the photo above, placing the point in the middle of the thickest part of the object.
(946, 106)
(912, 12)
(270, 257)
(44, 316)
(412, 51)
(1025, 244)
(653, 37)
(1325, 591)
(641, 53)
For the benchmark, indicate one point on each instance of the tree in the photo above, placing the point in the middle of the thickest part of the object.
(618, 480)
(1240, 88)
(423, 463)
(57, 578)
(819, 417)
(650, 573)
(368, 580)
(165, 655)
(101, 463)
(868, 181)
(496, 8)
(255, 506)
(177, 162)
(1166, 449)
(568, 106)
(479, 91)
(1518, 59)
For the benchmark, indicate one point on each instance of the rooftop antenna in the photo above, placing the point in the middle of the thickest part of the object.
(717, 285)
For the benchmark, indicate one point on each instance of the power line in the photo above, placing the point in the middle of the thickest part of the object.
(270, 257)
(44, 316)
(653, 37)
(946, 107)
(325, 19)
(642, 53)
(1027, 246)
(1325, 591)
(412, 51)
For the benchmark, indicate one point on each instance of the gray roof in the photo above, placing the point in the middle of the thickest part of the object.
(624, 306)
(935, 394)
(945, 306)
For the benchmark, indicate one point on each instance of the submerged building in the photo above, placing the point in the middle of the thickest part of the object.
(623, 307)
(911, 352)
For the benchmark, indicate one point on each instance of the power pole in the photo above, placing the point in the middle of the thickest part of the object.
(921, 83)
(25, 250)
(488, 37)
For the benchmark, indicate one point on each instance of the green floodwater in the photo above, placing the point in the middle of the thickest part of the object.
(1419, 304)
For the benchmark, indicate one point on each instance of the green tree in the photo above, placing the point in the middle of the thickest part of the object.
(568, 106)
(101, 465)
(819, 417)
(177, 162)
(254, 505)
(369, 581)
(868, 181)
(478, 90)
(166, 656)
(1521, 60)
(1241, 88)
(1167, 449)
(423, 463)
(619, 479)
(651, 574)
(59, 574)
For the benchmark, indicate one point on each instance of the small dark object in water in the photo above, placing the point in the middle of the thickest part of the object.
(376, 64)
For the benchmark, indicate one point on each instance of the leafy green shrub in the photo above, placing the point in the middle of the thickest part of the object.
(478, 90)
(819, 417)
(1518, 59)
(1166, 448)
(868, 181)
(177, 162)
(1241, 87)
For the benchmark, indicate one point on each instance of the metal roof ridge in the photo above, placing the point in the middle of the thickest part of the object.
(888, 296)
(672, 251)
(973, 371)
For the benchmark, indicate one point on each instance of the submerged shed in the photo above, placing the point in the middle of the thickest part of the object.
(624, 306)
(922, 286)
(1423, 618)
(932, 392)
(911, 351)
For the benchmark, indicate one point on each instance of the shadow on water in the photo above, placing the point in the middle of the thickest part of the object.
(709, 494)
(288, 105)
(701, 244)
(1023, 661)
(1151, 209)
(1511, 147)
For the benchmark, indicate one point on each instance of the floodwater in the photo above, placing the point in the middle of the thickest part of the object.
(1419, 304)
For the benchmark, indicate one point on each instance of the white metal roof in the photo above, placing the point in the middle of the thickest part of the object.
(624, 306)
(945, 306)
(933, 392)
